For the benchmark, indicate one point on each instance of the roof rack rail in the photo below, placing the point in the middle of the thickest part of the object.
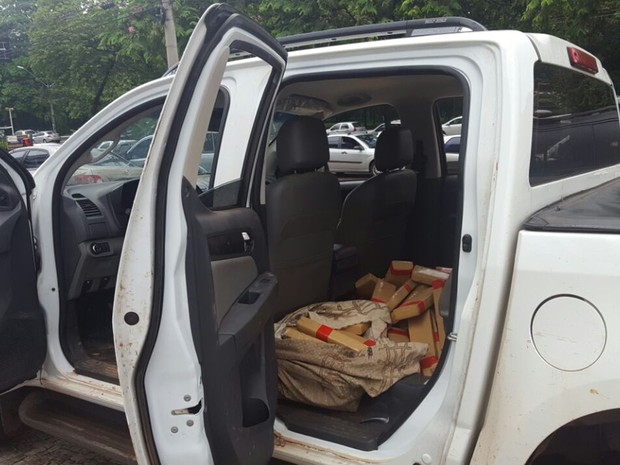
(409, 28)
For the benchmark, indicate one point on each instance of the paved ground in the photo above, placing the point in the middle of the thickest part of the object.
(36, 448)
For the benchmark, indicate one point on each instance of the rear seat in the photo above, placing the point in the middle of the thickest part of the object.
(375, 214)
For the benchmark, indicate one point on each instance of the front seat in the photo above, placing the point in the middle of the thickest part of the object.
(302, 212)
(375, 214)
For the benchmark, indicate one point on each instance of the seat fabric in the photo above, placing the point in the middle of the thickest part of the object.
(375, 214)
(302, 211)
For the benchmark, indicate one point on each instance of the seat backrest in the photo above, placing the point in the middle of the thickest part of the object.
(375, 214)
(302, 211)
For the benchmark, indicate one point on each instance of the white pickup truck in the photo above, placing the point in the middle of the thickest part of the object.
(136, 313)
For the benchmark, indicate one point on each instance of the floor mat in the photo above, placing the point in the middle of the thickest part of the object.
(373, 423)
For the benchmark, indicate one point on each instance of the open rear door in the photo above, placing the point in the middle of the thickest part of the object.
(22, 324)
(193, 314)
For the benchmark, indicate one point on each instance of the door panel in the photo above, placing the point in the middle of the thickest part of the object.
(22, 325)
(193, 313)
(235, 341)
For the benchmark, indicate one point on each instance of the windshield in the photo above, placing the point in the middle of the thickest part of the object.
(370, 141)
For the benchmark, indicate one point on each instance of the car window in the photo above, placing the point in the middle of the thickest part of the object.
(333, 142)
(140, 149)
(349, 143)
(121, 153)
(453, 145)
(19, 154)
(575, 124)
(369, 140)
(35, 158)
(356, 125)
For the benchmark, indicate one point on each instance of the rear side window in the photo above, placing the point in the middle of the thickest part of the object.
(576, 127)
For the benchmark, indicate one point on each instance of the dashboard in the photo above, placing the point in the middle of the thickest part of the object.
(94, 220)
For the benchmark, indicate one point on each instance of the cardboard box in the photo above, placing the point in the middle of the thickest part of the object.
(292, 333)
(383, 291)
(415, 304)
(421, 330)
(366, 285)
(328, 334)
(399, 272)
(401, 293)
(358, 329)
(426, 276)
(398, 335)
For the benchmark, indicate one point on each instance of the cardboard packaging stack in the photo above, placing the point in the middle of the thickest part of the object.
(412, 294)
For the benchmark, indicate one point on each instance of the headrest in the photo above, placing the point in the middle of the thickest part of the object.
(394, 149)
(302, 145)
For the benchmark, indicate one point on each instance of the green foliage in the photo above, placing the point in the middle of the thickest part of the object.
(88, 52)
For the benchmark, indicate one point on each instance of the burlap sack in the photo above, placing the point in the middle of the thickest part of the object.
(331, 376)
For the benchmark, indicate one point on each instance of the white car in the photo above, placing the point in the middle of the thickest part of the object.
(452, 127)
(33, 156)
(348, 127)
(45, 137)
(452, 147)
(352, 154)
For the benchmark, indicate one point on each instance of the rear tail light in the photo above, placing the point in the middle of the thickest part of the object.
(87, 179)
(582, 60)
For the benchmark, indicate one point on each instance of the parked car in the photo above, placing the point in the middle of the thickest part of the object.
(352, 154)
(45, 137)
(452, 147)
(112, 167)
(24, 133)
(452, 127)
(121, 147)
(347, 128)
(33, 157)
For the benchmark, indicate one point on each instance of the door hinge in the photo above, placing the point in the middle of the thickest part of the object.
(452, 337)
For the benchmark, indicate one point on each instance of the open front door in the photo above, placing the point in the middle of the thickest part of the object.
(22, 324)
(193, 312)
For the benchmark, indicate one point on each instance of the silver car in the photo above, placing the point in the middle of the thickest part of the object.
(352, 154)
(347, 128)
(44, 137)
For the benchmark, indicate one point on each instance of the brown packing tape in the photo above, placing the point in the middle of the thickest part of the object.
(415, 304)
(328, 334)
(358, 329)
(366, 285)
(421, 330)
(400, 294)
(399, 272)
(383, 291)
(292, 333)
(425, 275)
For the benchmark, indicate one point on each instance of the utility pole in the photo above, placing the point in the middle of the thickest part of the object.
(10, 110)
(170, 34)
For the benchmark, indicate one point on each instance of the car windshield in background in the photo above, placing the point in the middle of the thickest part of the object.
(369, 140)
